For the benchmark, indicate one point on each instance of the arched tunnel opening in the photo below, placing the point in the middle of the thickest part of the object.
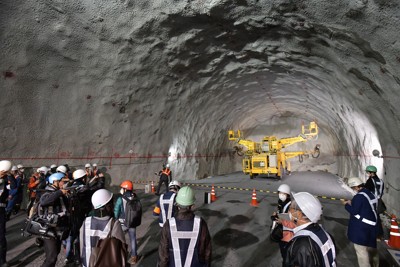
(168, 84)
(131, 85)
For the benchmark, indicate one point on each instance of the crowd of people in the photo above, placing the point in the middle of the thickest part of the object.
(303, 242)
(80, 214)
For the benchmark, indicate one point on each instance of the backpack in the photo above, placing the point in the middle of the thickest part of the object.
(109, 251)
(133, 212)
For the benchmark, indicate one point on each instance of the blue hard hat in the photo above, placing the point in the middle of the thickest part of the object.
(56, 177)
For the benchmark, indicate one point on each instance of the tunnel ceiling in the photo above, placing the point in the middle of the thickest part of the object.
(111, 76)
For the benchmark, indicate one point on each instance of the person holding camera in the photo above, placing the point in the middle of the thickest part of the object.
(5, 167)
(54, 203)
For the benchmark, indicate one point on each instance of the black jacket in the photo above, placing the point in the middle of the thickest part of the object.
(302, 251)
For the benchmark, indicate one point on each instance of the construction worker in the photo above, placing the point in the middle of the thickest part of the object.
(53, 168)
(14, 181)
(80, 206)
(96, 171)
(55, 204)
(5, 168)
(97, 180)
(165, 177)
(99, 226)
(24, 186)
(88, 170)
(165, 207)
(185, 239)
(284, 202)
(362, 227)
(376, 186)
(127, 194)
(374, 183)
(311, 245)
(32, 185)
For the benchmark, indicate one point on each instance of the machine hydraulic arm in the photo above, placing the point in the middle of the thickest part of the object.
(267, 156)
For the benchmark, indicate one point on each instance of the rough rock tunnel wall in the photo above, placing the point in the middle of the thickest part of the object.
(131, 84)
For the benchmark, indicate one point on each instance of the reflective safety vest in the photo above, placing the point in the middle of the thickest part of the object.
(166, 206)
(93, 230)
(167, 172)
(372, 203)
(286, 207)
(178, 235)
(325, 242)
(378, 186)
(286, 210)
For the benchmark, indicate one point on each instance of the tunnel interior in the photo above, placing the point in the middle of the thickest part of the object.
(166, 80)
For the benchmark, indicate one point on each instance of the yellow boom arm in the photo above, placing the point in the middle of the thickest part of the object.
(250, 145)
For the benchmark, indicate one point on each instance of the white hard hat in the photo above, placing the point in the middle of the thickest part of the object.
(354, 181)
(94, 164)
(284, 188)
(14, 168)
(167, 165)
(309, 205)
(101, 197)
(62, 169)
(87, 165)
(20, 166)
(43, 169)
(5, 165)
(78, 174)
(53, 166)
(174, 183)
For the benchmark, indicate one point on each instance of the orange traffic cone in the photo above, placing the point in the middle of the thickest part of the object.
(213, 196)
(153, 190)
(394, 239)
(254, 201)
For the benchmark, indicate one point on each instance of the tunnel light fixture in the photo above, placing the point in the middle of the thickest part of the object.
(376, 153)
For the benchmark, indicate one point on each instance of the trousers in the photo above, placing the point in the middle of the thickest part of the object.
(367, 256)
(163, 179)
(52, 247)
(132, 237)
(3, 240)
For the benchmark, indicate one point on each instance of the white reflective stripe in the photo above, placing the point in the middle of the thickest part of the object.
(64, 209)
(89, 232)
(395, 234)
(357, 216)
(88, 247)
(394, 227)
(286, 207)
(328, 245)
(166, 215)
(371, 203)
(368, 222)
(176, 235)
(378, 192)
(175, 243)
(287, 229)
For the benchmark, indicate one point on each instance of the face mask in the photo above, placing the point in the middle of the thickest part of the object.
(121, 191)
(282, 196)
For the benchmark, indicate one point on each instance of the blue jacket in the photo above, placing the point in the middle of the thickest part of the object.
(361, 229)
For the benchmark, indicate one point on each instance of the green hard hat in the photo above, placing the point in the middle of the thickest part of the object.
(371, 168)
(185, 196)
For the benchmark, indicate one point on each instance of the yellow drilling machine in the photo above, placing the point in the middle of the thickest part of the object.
(266, 157)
